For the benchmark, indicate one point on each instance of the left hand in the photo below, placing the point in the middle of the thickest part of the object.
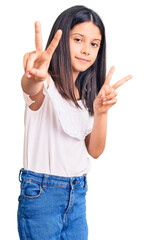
(106, 97)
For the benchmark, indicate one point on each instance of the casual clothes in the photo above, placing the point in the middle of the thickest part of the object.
(54, 135)
(52, 207)
(52, 204)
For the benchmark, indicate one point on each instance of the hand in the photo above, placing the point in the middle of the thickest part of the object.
(36, 63)
(106, 97)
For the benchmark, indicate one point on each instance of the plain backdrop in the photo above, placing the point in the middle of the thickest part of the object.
(118, 193)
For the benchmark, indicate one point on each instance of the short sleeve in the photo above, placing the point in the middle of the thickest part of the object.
(27, 98)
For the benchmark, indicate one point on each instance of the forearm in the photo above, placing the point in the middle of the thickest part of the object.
(30, 86)
(97, 138)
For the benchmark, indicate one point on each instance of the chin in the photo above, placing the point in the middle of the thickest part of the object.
(83, 69)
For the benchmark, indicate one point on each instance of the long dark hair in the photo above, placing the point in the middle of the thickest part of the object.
(88, 82)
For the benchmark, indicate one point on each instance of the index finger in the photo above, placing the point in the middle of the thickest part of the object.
(38, 37)
(122, 81)
(54, 43)
(110, 74)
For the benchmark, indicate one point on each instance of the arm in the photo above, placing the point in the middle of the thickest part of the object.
(35, 91)
(36, 65)
(30, 86)
(96, 140)
(106, 98)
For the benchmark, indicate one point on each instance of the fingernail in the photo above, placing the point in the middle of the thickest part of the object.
(28, 74)
(129, 77)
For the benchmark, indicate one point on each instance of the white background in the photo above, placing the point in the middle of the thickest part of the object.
(118, 195)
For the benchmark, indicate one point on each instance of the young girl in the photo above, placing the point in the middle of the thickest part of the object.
(67, 100)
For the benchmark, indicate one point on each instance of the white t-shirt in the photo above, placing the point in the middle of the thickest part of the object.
(54, 135)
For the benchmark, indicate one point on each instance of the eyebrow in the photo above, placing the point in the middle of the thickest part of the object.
(83, 36)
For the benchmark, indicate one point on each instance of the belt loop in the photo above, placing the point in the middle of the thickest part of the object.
(44, 181)
(21, 170)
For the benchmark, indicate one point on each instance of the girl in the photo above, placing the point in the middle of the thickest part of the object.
(67, 100)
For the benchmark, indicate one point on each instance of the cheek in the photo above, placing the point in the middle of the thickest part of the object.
(71, 48)
(74, 50)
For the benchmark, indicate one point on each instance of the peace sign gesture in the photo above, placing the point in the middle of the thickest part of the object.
(106, 97)
(36, 63)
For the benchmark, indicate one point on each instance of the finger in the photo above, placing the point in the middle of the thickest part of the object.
(101, 94)
(25, 60)
(105, 90)
(110, 96)
(39, 73)
(113, 101)
(122, 81)
(110, 74)
(30, 62)
(109, 106)
(38, 36)
(53, 45)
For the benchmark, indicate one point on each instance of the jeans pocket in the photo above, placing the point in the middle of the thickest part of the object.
(30, 189)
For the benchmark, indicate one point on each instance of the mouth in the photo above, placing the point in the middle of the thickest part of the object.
(82, 60)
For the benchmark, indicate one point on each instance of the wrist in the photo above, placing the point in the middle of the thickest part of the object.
(101, 114)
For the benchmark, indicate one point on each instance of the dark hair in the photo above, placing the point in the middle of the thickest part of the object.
(88, 82)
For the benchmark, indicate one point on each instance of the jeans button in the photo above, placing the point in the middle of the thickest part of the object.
(74, 182)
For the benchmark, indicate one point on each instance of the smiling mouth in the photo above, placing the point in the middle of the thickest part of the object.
(82, 60)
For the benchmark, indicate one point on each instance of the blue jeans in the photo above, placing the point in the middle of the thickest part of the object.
(52, 207)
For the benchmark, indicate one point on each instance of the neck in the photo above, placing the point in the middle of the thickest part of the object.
(75, 75)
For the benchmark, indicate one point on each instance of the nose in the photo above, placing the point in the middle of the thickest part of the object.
(85, 49)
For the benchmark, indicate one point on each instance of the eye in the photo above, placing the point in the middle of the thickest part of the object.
(94, 44)
(78, 40)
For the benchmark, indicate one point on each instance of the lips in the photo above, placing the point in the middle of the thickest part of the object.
(82, 59)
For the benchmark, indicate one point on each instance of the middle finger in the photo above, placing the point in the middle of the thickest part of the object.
(122, 81)
(54, 43)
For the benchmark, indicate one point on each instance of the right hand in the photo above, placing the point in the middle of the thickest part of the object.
(36, 63)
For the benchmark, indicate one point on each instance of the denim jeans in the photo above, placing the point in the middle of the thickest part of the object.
(52, 207)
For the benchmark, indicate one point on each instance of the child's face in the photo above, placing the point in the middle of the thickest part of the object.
(84, 43)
